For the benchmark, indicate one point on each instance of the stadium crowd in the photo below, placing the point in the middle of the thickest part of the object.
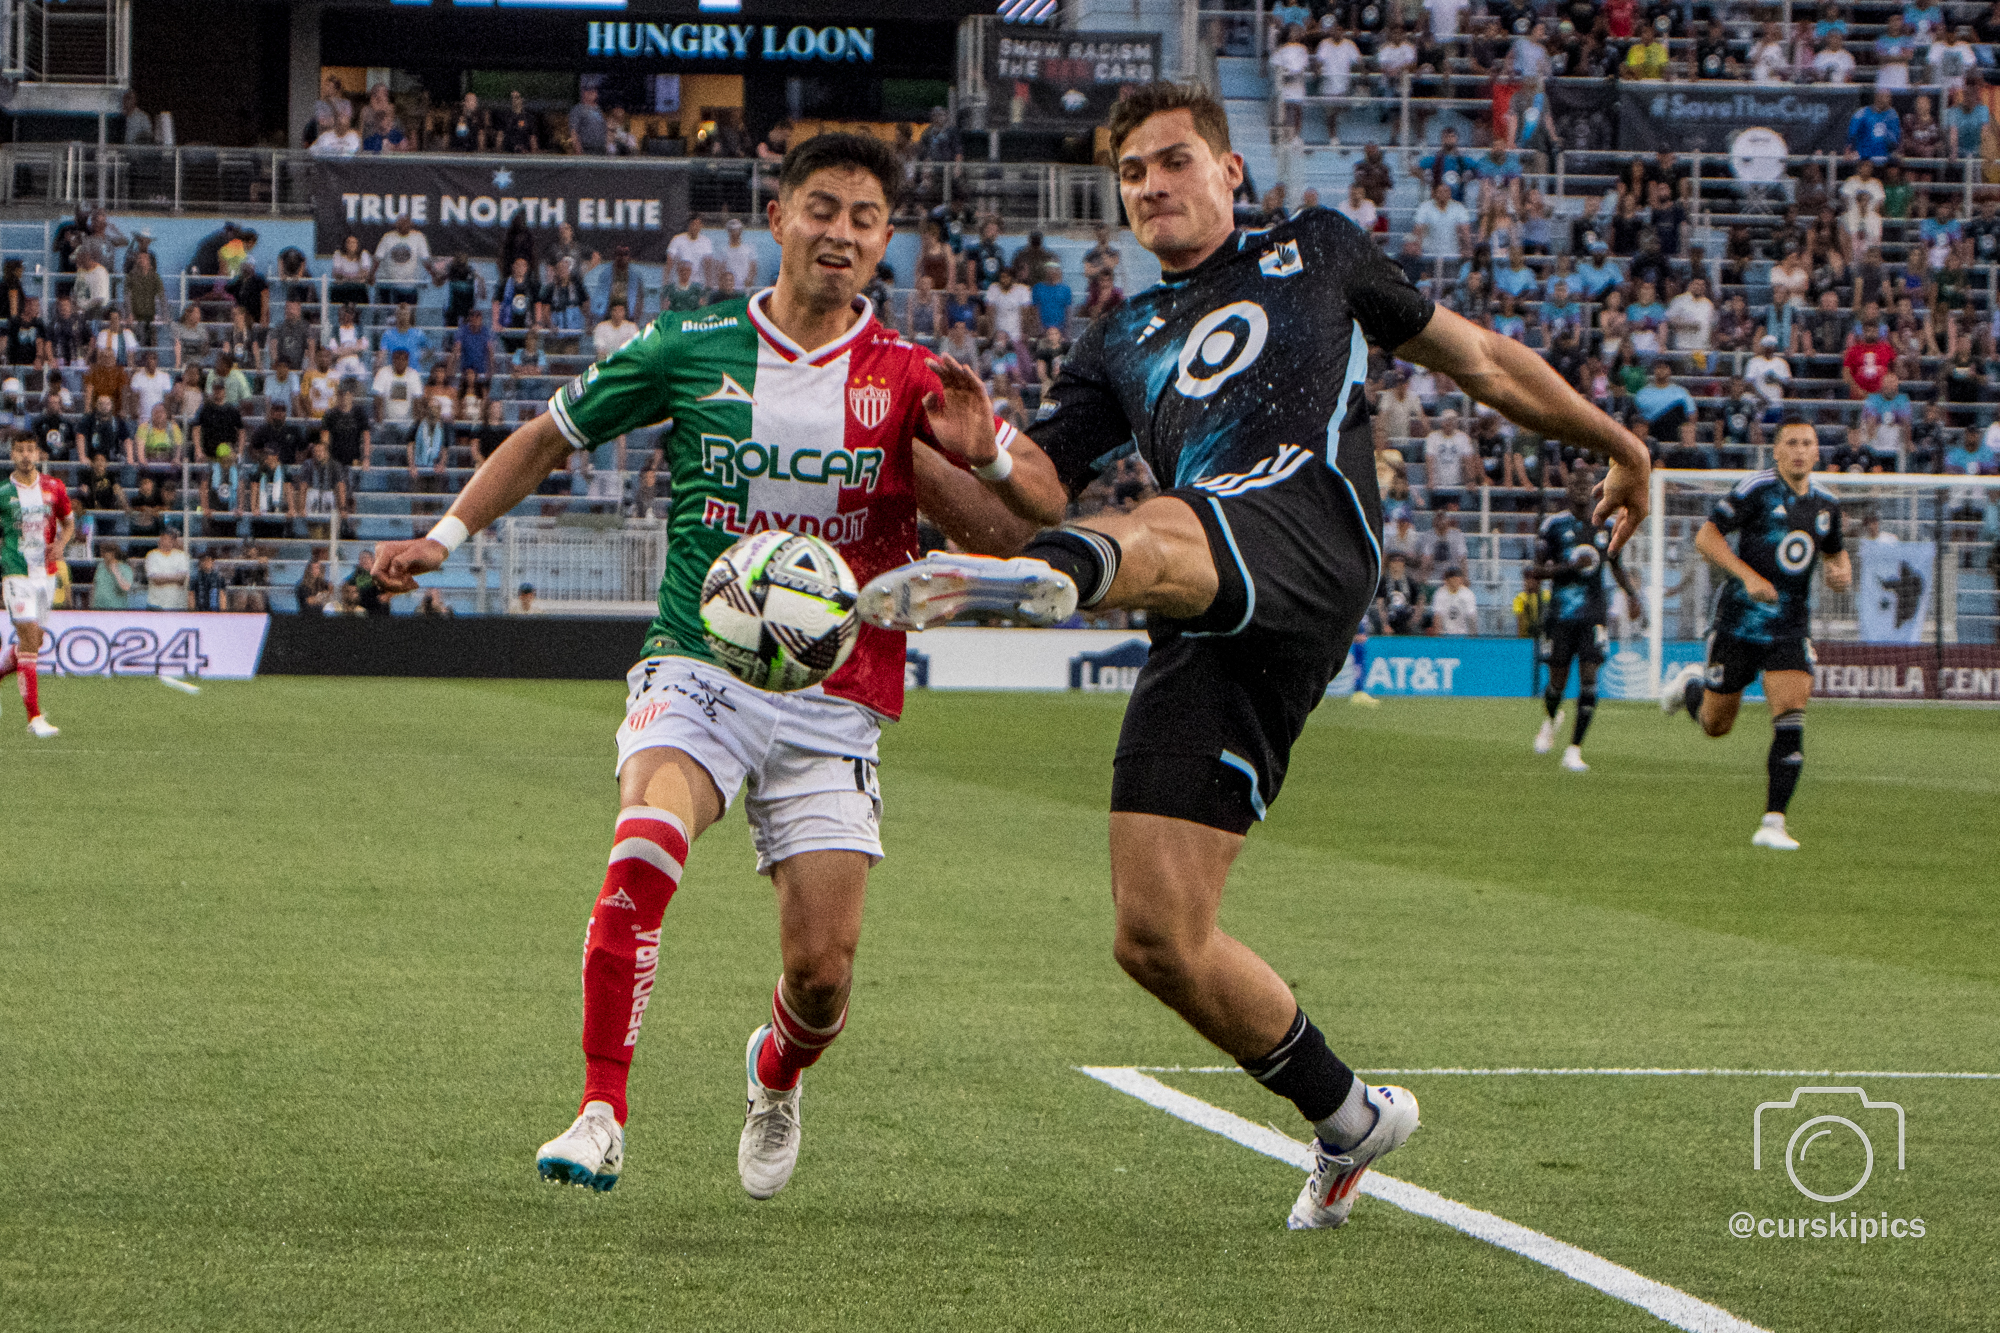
(1856, 289)
(273, 408)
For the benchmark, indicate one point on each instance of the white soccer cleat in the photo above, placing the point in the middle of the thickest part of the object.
(1771, 833)
(590, 1152)
(941, 586)
(42, 727)
(1673, 690)
(769, 1148)
(1573, 760)
(1328, 1196)
(1545, 739)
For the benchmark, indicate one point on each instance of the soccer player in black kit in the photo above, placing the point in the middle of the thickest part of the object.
(1570, 552)
(1783, 525)
(1239, 377)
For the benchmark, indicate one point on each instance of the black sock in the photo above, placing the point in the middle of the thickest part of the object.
(1089, 558)
(1302, 1068)
(1788, 746)
(1691, 697)
(1586, 708)
(1552, 701)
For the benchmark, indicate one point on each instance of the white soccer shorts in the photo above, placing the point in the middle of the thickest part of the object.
(809, 758)
(29, 597)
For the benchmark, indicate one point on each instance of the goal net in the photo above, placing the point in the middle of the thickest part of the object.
(1922, 620)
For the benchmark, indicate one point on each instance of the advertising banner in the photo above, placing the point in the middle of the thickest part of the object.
(1056, 80)
(1892, 592)
(1093, 660)
(1690, 117)
(225, 645)
(1108, 661)
(464, 207)
(1959, 673)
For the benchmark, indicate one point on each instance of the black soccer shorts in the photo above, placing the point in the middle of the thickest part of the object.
(1733, 663)
(1222, 698)
(1576, 640)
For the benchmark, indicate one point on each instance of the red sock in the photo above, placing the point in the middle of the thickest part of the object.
(25, 662)
(793, 1045)
(621, 952)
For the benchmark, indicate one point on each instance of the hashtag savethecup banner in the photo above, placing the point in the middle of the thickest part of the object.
(152, 643)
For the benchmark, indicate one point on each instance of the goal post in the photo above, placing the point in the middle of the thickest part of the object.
(1922, 620)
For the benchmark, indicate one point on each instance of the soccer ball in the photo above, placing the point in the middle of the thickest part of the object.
(777, 609)
(1584, 559)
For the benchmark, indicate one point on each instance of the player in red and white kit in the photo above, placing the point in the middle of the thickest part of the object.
(36, 524)
(793, 409)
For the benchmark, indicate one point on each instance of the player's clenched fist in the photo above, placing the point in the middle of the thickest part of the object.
(397, 564)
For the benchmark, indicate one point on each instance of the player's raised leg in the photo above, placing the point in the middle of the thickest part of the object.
(819, 927)
(667, 798)
(1155, 558)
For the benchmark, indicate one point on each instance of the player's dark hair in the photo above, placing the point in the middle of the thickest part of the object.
(21, 437)
(1793, 419)
(840, 148)
(1211, 122)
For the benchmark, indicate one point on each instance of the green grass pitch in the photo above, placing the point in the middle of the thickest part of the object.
(288, 996)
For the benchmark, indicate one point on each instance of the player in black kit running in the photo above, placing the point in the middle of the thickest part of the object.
(1785, 526)
(1239, 378)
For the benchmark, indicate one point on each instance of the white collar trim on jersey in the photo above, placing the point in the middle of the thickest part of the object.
(794, 352)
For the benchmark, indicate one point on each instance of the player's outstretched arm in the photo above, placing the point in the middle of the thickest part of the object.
(521, 463)
(961, 421)
(1514, 381)
(1714, 547)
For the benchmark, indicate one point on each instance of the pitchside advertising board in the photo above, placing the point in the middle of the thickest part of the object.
(1108, 661)
(221, 645)
(465, 208)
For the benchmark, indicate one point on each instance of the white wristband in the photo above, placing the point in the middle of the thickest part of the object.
(449, 533)
(1001, 468)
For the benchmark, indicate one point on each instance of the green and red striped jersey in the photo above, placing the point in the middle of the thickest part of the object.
(30, 517)
(767, 434)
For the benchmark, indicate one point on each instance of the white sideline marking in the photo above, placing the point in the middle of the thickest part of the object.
(1641, 1073)
(1669, 1304)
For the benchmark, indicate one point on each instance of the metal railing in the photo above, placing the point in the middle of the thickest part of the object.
(585, 563)
(283, 181)
(85, 42)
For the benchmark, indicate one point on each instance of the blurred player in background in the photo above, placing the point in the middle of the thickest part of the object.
(36, 525)
(1571, 553)
(793, 408)
(1783, 525)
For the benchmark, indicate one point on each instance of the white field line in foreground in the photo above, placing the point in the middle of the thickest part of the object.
(1630, 1073)
(1669, 1304)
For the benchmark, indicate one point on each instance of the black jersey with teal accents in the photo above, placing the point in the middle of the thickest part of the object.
(1780, 534)
(1576, 594)
(1236, 373)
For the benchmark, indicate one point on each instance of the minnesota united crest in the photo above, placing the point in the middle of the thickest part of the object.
(869, 401)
